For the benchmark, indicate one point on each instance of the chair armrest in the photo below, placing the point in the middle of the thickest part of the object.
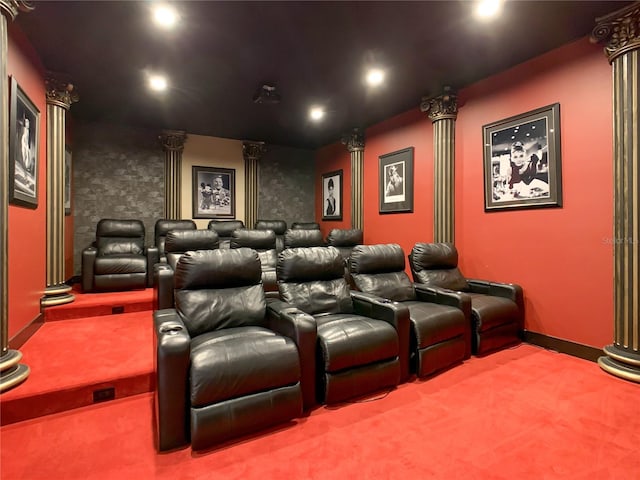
(511, 291)
(391, 312)
(173, 347)
(162, 286)
(89, 255)
(153, 257)
(302, 329)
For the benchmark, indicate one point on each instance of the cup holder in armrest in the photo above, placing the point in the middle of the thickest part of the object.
(171, 329)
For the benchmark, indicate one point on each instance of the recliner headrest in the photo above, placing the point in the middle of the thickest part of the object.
(225, 227)
(303, 238)
(340, 237)
(310, 263)
(163, 226)
(434, 256)
(278, 226)
(377, 259)
(108, 227)
(185, 240)
(305, 226)
(258, 239)
(212, 269)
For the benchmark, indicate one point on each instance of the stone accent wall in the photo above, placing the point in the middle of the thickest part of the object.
(118, 172)
(286, 185)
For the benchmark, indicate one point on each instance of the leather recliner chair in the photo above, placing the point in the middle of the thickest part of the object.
(363, 343)
(497, 309)
(177, 243)
(164, 226)
(303, 238)
(263, 242)
(223, 369)
(278, 227)
(224, 229)
(305, 226)
(118, 259)
(440, 335)
(344, 240)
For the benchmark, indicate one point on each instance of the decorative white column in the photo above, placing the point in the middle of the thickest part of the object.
(12, 372)
(620, 33)
(252, 152)
(60, 95)
(355, 144)
(443, 111)
(173, 146)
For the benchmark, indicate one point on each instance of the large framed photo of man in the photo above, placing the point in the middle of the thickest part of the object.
(24, 131)
(332, 195)
(213, 192)
(522, 161)
(395, 181)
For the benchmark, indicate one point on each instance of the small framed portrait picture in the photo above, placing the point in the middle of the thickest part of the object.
(213, 192)
(396, 181)
(332, 195)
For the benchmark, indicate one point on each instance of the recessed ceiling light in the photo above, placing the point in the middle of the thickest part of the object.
(375, 77)
(158, 83)
(486, 9)
(165, 16)
(316, 113)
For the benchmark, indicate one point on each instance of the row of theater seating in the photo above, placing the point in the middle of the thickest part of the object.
(248, 361)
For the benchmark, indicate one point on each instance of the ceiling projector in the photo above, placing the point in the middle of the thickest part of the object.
(266, 94)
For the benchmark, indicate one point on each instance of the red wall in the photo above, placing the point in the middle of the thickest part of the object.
(560, 256)
(27, 227)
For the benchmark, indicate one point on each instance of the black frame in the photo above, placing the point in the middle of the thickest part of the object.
(68, 174)
(396, 196)
(534, 139)
(212, 205)
(23, 174)
(334, 177)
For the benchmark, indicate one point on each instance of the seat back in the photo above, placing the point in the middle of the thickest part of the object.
(303, 238)
(305, 226)
(164, 226)
(224, 229)
(262, 241)
(344, 240)
(217, 289)
(116, 237)
(312, 279)
(379, 269)
(278, 227)
(436, 264)
(180, 241)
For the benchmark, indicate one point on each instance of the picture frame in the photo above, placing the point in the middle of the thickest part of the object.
(67, 180)
(522, 161)
(213, 192)
(332, 195)
(395, 181)
(24, 134)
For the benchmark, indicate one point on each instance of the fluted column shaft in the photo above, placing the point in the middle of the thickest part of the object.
(173, 146)
(251, 151)
(355, 144)
(620, 31)
(443, 111)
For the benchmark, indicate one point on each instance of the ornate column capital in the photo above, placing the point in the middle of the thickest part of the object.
(59, 90)
(441, 107)
(354, 140)
(173, 140)
(10, 8)
(253, 150)
(619, 31)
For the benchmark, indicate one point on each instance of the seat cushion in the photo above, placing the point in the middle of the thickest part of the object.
(433, 323)
(489, 311)
(233, 362)
(120, 263)
(349, 340)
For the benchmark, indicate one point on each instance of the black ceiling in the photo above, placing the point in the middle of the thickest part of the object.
(314, 52)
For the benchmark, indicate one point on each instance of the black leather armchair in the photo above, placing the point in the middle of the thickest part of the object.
(497, 309)
(303, 238)
(224, 229)
(263, 242)
(440, 334)
(278, 227)
(118, 259)
(363, 342)
(164, 226)
(305, 226)
(177, 243)
(222, 368)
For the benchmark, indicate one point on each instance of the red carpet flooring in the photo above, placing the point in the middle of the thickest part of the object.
(523, 413)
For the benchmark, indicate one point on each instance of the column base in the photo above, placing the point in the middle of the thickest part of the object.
(11, 372)
(621, 363)
(57, 295)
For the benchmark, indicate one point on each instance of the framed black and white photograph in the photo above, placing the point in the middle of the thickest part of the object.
(396, 181)
(67, 180)
(522, 161)
(24, 129)
(332, 195)
(213, 192)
